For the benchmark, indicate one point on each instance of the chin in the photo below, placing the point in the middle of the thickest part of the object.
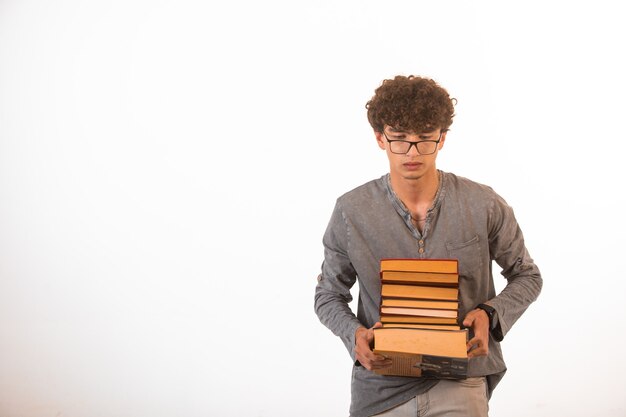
(412, 176)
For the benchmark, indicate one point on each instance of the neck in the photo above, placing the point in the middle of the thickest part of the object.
(415, 192)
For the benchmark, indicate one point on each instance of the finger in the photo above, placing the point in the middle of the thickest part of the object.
(363, 351)
(473, 344)
(479, 339)
(476, 347)
(382, 362)
(477, 352)
(375, 363)
(473, 341)
(371, 357)
(381, 359)
(468, 321)
(381, 365)
(367, 335)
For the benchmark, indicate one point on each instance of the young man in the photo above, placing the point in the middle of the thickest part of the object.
(417, 211)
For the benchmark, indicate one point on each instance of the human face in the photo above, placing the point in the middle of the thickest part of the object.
(411, 165)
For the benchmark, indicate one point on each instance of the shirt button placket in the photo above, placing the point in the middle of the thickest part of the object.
(421, 249)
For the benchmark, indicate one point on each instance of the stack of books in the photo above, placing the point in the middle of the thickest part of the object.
(419, 313)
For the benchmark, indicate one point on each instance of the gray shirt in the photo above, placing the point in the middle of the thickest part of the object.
(467, 221)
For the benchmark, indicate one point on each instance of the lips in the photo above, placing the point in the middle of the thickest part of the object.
(412, 165)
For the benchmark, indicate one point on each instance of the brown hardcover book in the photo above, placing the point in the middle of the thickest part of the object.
(420, 291)
(436, 278)
(444, 266)
(412, 303)
(423, 352)
(421, 326)
(418, 312)
(389, 318)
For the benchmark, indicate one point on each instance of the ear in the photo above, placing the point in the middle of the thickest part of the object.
(380, 139)
(443, 139)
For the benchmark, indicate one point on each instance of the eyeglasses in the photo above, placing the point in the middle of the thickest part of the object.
(424, 147)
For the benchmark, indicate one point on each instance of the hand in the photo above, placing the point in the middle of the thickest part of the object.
(478, 320)
(364, 339)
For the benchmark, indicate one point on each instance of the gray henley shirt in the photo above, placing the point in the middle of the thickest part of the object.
(467, 221)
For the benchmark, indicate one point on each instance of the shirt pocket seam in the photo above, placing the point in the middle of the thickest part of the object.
(455, 246)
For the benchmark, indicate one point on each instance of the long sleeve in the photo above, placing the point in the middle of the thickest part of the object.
(469, 222)
(332, 293)
(507, 248)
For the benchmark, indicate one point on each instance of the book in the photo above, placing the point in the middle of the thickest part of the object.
(413, 303)
(390, 318)
(420, 291)
(420, 277)
(421, 326)
(445, 266)
(423, 352)
(418, 312)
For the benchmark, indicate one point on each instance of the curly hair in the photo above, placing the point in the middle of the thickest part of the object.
(411, 104)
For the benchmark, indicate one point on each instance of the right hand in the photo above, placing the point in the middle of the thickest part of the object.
(364, 340)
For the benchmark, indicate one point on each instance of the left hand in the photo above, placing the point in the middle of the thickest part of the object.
(478, 320)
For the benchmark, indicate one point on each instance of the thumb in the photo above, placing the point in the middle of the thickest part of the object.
(377, 325)
(468, 321)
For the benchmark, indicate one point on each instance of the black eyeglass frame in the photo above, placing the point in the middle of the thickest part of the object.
(411, 144)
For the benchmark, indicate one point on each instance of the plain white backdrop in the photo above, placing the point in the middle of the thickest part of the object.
(167, 170)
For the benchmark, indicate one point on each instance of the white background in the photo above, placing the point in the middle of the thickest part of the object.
(167, 170)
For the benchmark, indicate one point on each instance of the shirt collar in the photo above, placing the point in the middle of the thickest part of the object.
(399, 205)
